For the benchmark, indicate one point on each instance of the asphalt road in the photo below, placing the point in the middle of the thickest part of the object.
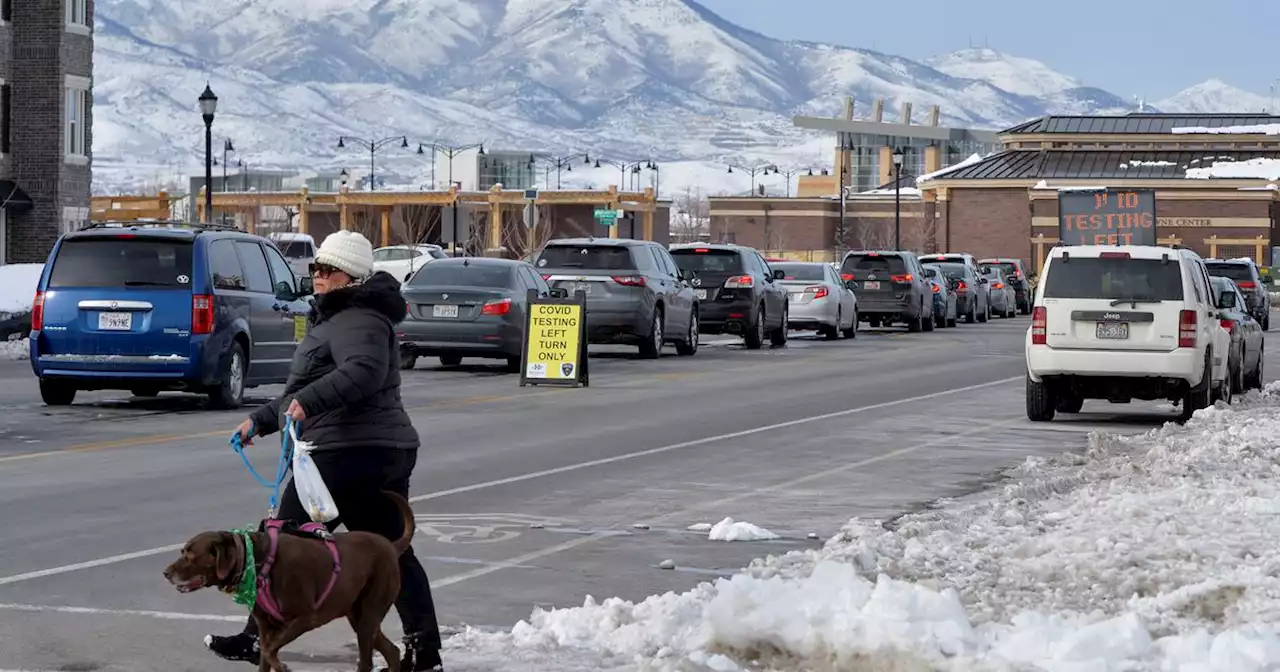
(526, 497)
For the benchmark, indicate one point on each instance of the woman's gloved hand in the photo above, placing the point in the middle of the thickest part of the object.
(245, 432)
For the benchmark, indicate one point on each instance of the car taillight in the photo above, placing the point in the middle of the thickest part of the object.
(1113, 255)
(1039, 325)
(937, 289)
(1229, 325)
(499, 307)
(202, 314)
(1187, 329)
(962, 287)
(818, 291)
(740, 282)
(998, 285)
(546, 276)
(37, 312)
(904, 279)
(1247, 284)
(846, 276)
(629, 280)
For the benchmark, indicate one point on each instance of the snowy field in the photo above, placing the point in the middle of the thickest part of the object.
(1149, 552)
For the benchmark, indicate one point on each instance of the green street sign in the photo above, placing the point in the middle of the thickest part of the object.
(607, 216)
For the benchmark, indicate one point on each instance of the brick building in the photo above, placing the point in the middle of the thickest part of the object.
(46, 117)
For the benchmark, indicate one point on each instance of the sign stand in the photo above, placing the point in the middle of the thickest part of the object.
(555, 341)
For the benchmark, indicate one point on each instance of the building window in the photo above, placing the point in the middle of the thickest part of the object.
(77, 15)
(6, 117)
(76, 112)
(6, 11)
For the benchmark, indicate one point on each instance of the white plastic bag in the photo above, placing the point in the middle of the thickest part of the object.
(312, 491)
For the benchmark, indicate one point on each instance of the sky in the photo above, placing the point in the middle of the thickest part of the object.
(1147, 48)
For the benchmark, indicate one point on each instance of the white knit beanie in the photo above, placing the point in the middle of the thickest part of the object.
(348, 252)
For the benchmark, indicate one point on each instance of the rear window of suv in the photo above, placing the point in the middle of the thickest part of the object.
(1095, 278)
(295, 249)
(588, 257)
(1010, 270)
(708, 260)
(880, 263)
(122, 262)
(1236, 272)
(462, 275)
(805, 272)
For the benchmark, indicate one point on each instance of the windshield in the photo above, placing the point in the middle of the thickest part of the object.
(804, 272)
(952, 271)
(462, 275)
(295, 249)
(862, 264)
(706, 260)
(1009, 270)
(122, 262)
(1094, 278)
(1236, 272)
(590, 257)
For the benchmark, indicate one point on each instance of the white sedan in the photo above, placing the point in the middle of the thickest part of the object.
(402, 261)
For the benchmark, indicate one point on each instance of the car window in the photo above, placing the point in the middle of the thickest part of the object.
(285, 280)
(708, 260)
(660, 267)
(587, 257)
(295, 249)
(879, 263)
(1010, 270)
(122, 262)
(224, 265)
(437, 253)
(805, 272)
(391, 255)
(1099, 278)
(955, 271)
(765, 268)
(462, 275)
(1236, 272)
(667, 262)
(257, 275)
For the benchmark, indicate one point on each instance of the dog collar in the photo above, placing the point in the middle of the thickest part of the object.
(246, 593)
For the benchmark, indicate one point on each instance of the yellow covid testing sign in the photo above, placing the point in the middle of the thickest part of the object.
(555, 343)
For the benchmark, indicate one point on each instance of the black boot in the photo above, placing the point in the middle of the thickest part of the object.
(241, 647)
(419, 656)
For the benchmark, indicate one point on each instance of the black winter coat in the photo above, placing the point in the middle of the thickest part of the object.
(346, 372)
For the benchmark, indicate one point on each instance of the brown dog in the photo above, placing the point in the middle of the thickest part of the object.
(364, 591)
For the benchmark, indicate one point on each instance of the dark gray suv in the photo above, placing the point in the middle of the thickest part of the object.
(891, 288)
(1246, 276)
(636, 295)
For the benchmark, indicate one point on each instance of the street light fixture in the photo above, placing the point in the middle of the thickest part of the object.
(450, 152)
(753, 171)
(208, 107)
(788, 174)
(560, 163)
(898, 158)
(343, 177)
(629, 167)
(373, 146)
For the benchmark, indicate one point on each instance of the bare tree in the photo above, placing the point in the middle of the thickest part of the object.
(692, 217)
(519, 240)
(875, 234)
(413, 224)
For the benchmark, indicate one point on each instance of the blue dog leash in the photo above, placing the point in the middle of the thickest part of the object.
(282, 468)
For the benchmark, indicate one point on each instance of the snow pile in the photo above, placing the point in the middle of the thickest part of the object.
(1252, 169)
(731, 530)
(15, 349)
(1138, 164)
(1150, 552)
(18, 287)
(973, 158)
(1243, 129)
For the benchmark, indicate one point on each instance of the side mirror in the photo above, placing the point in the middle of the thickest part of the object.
(285, 292)
(306, 287)
(408, 276)
(559, 293)
(984, 281)
(852, 285)
(1227, 300)
(778, 275)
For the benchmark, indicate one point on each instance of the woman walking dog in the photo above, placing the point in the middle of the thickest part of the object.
(344, 393)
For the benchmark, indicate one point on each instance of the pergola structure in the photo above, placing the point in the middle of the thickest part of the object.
(132, 208)
(497, 200)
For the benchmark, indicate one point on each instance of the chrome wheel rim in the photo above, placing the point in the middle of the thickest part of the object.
(657, 331)
(693, 331)
(235, 379)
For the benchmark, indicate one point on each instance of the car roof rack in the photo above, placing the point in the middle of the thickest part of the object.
(161, 223)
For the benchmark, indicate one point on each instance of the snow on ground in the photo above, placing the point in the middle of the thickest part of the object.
(15, 349)
(738, 530)
(18, 287)
(1147, 552)
(1252, 169)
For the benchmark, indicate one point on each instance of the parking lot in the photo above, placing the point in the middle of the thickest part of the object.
(526, 497)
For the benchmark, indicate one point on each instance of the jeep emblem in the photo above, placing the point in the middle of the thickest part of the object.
(1111, 316)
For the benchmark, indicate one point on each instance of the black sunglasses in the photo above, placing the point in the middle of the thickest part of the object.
(322, 270)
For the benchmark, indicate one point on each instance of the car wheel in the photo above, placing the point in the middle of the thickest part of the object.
(779, 336)
(1068, 404)
(1254, 379)
(408, 360)
(951, 322)
(689, 346)
(852, 331)
(1198, 396)
(451, 360)
(969, 317)
(230, 391)
(832, 333)
(652, 347)
(915, 324)
(513, 365)
(1040, 403)
(754, 338)
(1238, 381)
(926, 323)
(1266, 322)
(56, 394)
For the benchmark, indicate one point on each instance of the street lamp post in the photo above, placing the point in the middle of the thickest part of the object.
(373, 146)
(208, 106)
(626, 168)
(450, 152)
(342, 178)
(897, 198)
(560, 163)
(757, 170)
(788, 174)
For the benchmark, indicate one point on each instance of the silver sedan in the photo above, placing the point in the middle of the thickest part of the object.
(1003, 300)
(819, 300)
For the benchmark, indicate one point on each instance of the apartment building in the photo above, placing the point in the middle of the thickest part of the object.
(46, 121)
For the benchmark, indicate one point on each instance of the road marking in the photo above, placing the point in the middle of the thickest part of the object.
(168, 615)
(53, 571)
(520, 559)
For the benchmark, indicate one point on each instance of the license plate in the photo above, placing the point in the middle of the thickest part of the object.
(444, 311)
(584, 287)
(115, 321)
(700, 293)
(871, 285)
(1114, 331)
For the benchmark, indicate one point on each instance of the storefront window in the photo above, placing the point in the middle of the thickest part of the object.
(510, 169)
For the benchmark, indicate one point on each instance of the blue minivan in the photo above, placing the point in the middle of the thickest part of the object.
(165, 306)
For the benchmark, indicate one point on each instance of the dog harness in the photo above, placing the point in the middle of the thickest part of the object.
(266, 598)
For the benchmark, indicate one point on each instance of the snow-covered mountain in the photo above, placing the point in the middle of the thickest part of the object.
(1214, 95)
(627, 79)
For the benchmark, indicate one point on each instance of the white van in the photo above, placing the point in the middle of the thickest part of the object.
(1121, 323)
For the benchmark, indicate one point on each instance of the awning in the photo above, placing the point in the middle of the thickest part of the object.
(12, 198)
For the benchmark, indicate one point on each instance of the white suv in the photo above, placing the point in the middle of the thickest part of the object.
(1121, 323)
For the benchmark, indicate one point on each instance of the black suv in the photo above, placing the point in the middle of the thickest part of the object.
(1249, 280)
(891, 287)
(736, 292)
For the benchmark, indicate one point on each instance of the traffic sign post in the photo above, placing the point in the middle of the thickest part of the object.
(531, 229)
